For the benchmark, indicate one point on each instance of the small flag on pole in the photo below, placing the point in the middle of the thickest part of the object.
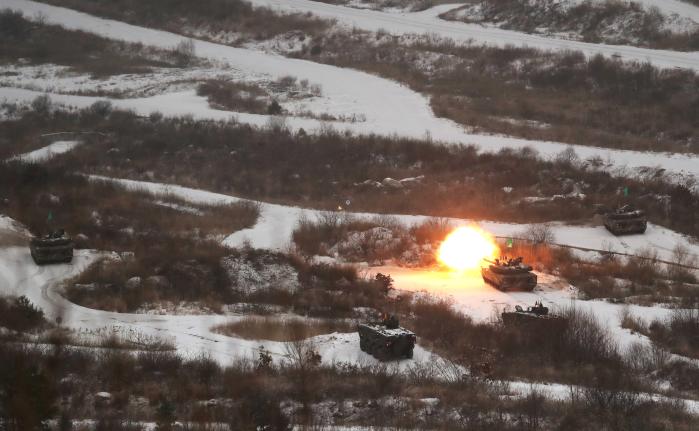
(50, 217)
(626, 191)
(510, 242)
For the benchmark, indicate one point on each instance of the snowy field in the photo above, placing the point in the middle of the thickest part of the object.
(428, 22)
(388, 107)
(470, 294)
(273, 231)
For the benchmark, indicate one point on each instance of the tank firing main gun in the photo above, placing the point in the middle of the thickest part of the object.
(509, 274)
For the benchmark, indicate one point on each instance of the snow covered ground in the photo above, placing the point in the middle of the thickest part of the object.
(52, 78)
(45, 153)
(428, 22)
(482, 302)
(388, 107)
(276, 223)
(470, 294)
(191, 334)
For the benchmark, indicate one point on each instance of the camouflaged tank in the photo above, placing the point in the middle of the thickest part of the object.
(625, 220)
(536, 314)
(386, 340)
(509, 274)
(56, 247)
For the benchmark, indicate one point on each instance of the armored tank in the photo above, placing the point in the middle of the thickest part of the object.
(386, 340)
(509, 274)
(537, 313)
(56, 247)
(625, 220)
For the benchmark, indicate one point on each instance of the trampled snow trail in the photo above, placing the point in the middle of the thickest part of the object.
(389, 108)
(427, 22)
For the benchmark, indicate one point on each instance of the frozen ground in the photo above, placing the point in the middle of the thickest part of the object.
(428, 22)
(45, 153)
(388, 107)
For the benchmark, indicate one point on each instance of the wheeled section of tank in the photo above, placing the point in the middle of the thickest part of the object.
(625, 220)
(509, 274)
(56, 247)
(386, 340)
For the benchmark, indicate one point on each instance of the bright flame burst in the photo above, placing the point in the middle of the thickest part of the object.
(466, 247)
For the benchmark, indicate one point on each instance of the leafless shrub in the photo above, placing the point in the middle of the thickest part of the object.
(277, 124)
(679, 332)
(431, 231)
(682, 258)
(629, 321)
(101, 108)
(42, 104)
(540, 234)
(184, 52)
(585, 338)
(236, 96)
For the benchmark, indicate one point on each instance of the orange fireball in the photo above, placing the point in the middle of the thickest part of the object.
(466, 247)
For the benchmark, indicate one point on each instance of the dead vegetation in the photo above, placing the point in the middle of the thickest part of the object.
(679, 333)
(596, 22)
(237, 20)
(372, 240)
(26, 42)
(571, 350)
(201, 273)
(166, 387)
(527, 93)
(411, 5)
(105, 216)
(281, 329)
(235, 96)
(515, 91)
(240, 158)
(19, 314)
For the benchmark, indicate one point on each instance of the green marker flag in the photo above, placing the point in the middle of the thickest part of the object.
(50, 217)
(510, 242)
(626, 191)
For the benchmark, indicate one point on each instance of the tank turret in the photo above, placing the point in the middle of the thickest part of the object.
(537, 313)
(386, 340)
(509, 274)
(56, 247)
(625, 220)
